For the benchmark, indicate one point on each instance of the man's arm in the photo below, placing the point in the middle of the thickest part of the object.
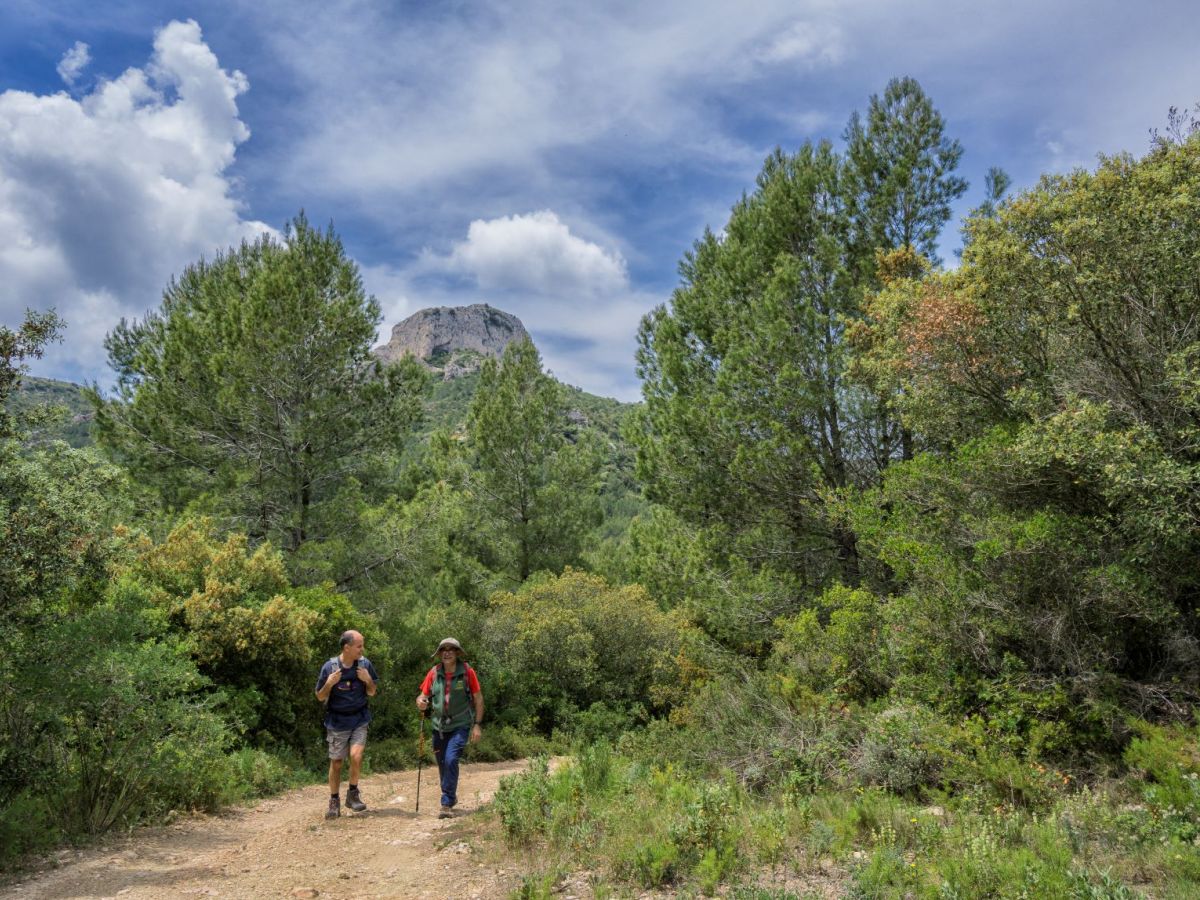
(334, 677)
(367, 675)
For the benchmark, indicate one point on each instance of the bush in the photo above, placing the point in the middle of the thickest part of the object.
(896, 750)
(127, 725)
(242, 623)
(848, 655)
(257, 773)
(747, 724)
(523, 802)
(28, 825)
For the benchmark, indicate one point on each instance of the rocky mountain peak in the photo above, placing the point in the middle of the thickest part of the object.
(453, 340)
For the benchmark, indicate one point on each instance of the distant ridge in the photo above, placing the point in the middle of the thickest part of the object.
(453, 340)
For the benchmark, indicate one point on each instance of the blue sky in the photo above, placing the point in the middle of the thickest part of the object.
(555, 160)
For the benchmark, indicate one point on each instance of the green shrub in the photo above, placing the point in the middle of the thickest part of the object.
(28, 825)
(126, 724)
(896, 750)
(523, 802)
(564, 644)
(847, 655)
(1168, 760)
(655, 862)
(258, 773)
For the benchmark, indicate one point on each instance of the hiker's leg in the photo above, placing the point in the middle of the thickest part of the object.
(337, 741)
(439, 753)
(358, 742)
(454, 747)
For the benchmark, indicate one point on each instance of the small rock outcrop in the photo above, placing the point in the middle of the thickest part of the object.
(453, 340)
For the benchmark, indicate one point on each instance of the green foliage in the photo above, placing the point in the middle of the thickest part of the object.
(535, 490)
(28, 827)
(257, 773)
(251, 391)
(1168, 761)
(123, 720)
(756, 727)
(848, 655)
(749, 417)
(243, 624)
(900, 171)
(522, 800)
(560, 645)
(896, 751)
(56, 510)
(1040, 617)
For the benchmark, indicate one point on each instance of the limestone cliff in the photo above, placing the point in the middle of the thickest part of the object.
(453, 340)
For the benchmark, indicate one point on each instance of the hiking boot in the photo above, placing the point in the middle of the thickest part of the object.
(446, 813)
(354, 801)
(335, 808)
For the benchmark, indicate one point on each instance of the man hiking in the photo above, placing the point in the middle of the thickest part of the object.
(344, 684)
(452, 690)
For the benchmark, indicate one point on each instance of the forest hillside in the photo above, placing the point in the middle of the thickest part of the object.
(888, 583)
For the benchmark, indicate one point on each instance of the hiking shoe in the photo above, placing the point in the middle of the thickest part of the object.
(335, 808)
(354, 801)
(446, 813)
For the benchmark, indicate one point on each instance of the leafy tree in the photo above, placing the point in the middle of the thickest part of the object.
(27, 342)
(239, 619)
(252, 390)
(749, 419)
(561, 644)
(54, 502)
(535, 479)
(1049, 552)
(900, 172)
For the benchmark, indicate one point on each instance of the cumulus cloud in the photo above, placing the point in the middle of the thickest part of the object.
(104, 198)
(537, 253)
(73, 62)
(573, 295)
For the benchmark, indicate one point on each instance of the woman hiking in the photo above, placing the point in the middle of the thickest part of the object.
(452, 689)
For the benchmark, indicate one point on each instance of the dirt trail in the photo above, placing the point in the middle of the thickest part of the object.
(283, 847)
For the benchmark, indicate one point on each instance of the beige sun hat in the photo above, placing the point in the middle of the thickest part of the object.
(448, 642)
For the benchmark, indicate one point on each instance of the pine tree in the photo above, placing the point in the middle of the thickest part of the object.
(901, 166)
(534, 487)
(252, 390)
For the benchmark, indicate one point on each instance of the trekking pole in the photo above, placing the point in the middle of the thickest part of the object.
(421, 758)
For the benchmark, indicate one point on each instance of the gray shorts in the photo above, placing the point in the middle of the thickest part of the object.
(340, 742)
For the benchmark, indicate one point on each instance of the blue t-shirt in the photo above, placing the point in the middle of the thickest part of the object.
(346, 707)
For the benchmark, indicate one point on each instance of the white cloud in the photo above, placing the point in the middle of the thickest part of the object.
(573, 295)
(480, 94)
(537, 253)
(73, 62)
(806, 43)
(104, 198)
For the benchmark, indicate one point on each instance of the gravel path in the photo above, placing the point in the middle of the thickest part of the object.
(283, 847)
